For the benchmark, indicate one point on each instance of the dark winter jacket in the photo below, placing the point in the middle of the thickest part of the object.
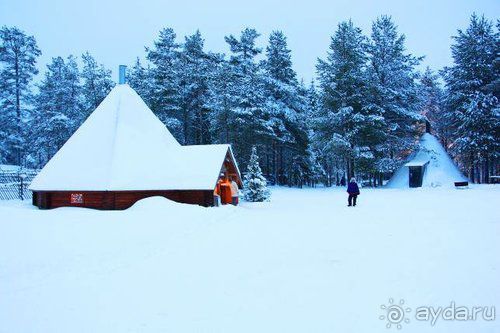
(353, 189)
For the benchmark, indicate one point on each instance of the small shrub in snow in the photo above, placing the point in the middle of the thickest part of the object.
(255, 184)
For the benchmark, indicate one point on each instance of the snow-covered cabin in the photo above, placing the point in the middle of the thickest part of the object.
(429, 166)
(123, 153)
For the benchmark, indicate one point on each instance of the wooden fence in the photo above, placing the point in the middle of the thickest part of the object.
(14, 185)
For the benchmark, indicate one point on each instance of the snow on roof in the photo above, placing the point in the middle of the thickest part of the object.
(416, 163)
(441, 170)
(124, 146)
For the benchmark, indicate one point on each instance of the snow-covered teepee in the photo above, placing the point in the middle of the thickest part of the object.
(429, 166)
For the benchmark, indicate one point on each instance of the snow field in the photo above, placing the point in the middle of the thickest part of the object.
(304, 262)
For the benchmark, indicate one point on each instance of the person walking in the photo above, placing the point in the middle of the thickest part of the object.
(235, 191)
(353, 190)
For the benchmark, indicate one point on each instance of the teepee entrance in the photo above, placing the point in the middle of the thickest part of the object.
(416, 175)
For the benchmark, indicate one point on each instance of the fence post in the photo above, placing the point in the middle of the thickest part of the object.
(21, 185)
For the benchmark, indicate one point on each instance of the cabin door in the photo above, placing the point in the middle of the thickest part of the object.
(225, 194)
(416, 175)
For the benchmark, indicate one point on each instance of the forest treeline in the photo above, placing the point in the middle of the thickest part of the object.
(362, 116)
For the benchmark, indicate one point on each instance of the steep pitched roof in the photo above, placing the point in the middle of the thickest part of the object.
(440, 170)
(124, 146)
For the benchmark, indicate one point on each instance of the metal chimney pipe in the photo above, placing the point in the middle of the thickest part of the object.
(122, 74)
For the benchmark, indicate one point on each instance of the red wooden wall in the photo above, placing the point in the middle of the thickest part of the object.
(117, 200)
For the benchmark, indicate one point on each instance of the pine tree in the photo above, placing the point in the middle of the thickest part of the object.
(141, 79)
(97, 83)
(283, 111)
(255, 189)
(315, 155)
(343, 124)
(58, 110)
(432, 97)
(165, 98)
(278, 61)
(244, 50)
(196, 70)
(18, 54)
(393, 92)
(221, 101)
(473, 96)
(245, 122)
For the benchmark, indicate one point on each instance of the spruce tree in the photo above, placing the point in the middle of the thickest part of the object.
(97, 83)
(283, 114)
(18, 54)
(245, 122)
(255, 185)
(393, 92)
(473, 94)
(221, 101)
(141, 79)
(58, 107)
(165, 98)
(196, 69)
(278, 63)
(343, 124)
(315, 155)
(432, 97)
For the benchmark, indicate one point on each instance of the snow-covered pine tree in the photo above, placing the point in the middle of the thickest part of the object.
(57, 110)
(165, 70)
(312, 101)
(221, 100)
(316, 169)
(284, 114)
(343, 124)
(18, 54)
(196, 69)
(255, 185)
(244, 123)
(432, 96)
(473, 94)
(278, 63)
(141, 79)
(393, 92)
(97, 83)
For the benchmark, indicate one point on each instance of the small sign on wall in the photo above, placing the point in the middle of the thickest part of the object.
(76, 198)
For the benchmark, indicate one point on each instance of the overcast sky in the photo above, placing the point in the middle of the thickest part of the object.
(115, 32)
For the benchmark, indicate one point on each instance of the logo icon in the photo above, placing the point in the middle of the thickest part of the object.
(395, 314)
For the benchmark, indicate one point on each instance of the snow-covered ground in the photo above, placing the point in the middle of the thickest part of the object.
(302, 263)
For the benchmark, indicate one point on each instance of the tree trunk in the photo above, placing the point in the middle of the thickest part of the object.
(348, 169)
(275, 162)
(280, 163)
(18, 110)
(487, 170)
(352, 167)
(471, 168)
